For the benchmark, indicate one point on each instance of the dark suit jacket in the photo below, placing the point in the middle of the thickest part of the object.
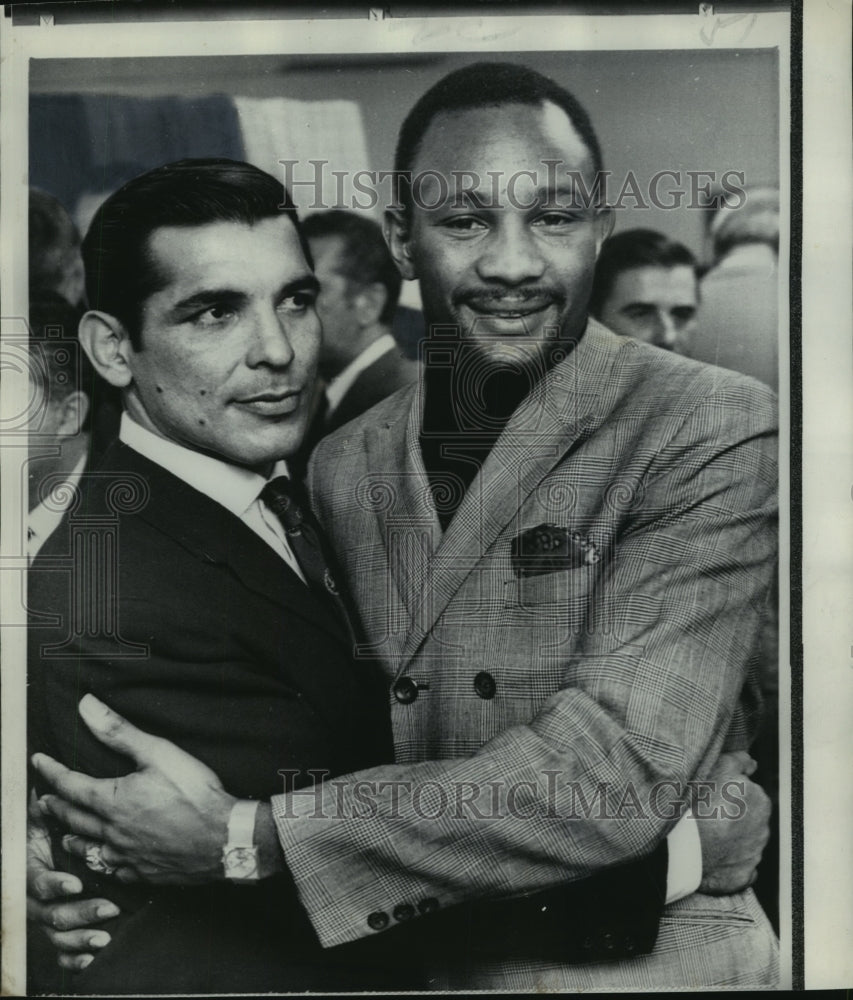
(386, 375)
(162, 603)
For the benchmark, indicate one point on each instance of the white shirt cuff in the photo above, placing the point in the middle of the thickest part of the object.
(684, 871)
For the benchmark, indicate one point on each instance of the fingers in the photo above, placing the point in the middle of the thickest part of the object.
(729, 879)
(737, 762)
(77, 915)
(79, 847)
(116, 732)
(75, 963)
(47, 885)
(81, 821)
(81, 790)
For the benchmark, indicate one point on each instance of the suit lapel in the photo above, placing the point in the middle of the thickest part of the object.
(557, 416)
(407, 521)
(216, 536)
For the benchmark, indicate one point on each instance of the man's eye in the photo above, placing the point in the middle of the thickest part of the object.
(298, 302)
(551, 219)
(214, 315)
(464, 223)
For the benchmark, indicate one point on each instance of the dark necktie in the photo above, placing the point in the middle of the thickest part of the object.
(305, 541)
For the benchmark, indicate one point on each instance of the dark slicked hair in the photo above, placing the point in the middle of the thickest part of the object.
(632, 249)
(120, 271)
(486, 85)
(365, 258)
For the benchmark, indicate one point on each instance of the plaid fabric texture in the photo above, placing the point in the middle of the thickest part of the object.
(548, 721)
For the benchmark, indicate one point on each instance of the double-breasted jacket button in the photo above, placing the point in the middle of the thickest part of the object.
(378, 920)
(405, 911)
(484, 685)
(405, 690)
(428, 905)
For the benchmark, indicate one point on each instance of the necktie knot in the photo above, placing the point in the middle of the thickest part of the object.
(305, 540)
(279, 496)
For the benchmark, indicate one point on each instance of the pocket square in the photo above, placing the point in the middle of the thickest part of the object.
(548, 548)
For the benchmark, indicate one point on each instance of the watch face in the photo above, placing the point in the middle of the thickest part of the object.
(241, 862)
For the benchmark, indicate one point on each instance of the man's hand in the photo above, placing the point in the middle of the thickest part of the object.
(731, 847)
(70, 924)
(165, 823)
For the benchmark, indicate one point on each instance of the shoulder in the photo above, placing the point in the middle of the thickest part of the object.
(384, 414)
(668, 389)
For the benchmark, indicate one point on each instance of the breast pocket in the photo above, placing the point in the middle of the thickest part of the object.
(562, 591)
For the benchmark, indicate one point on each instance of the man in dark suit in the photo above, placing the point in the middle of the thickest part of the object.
(360, 361)
(172, 588)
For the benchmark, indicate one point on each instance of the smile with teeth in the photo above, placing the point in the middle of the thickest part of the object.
(509, 308)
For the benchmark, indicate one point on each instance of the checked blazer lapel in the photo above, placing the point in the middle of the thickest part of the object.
(406, 517)
(566, 405)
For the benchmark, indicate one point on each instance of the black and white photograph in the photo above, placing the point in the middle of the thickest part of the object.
(405, 446)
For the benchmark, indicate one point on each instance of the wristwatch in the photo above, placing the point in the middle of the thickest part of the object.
(240, 855)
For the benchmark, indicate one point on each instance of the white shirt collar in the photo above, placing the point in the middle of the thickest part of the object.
(341, 384)
(234, 487)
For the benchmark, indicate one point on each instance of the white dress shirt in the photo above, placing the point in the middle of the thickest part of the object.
(342, 383)
(232, 486)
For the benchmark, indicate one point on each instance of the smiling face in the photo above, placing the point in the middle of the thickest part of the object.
(229, 342)
(654, 304)
(509, 262)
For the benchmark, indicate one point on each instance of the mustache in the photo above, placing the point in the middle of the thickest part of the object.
(489, 295)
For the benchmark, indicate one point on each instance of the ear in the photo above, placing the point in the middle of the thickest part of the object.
(107, 342)
(604, 221)
(75, 408)
(369, 304)
(397, 230)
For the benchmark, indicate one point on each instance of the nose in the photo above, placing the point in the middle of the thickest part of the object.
(511, 254)
(271, 344)
(667, 331)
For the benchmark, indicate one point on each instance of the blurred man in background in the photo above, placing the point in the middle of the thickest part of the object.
(60, 385)
(55, 263)
(360, 361)
(647, 287)
(739, 316)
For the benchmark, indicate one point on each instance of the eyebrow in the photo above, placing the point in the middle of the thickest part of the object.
(561, 197)
(211, 296)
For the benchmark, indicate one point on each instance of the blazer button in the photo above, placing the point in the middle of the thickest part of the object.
(377, 921)
(484, 685)
(429, 905)
(405, 911)
(405, 690)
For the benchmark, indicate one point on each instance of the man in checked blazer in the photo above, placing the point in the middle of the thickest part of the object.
(559, 544)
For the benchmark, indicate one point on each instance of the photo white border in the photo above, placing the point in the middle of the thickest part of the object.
(826, 132)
